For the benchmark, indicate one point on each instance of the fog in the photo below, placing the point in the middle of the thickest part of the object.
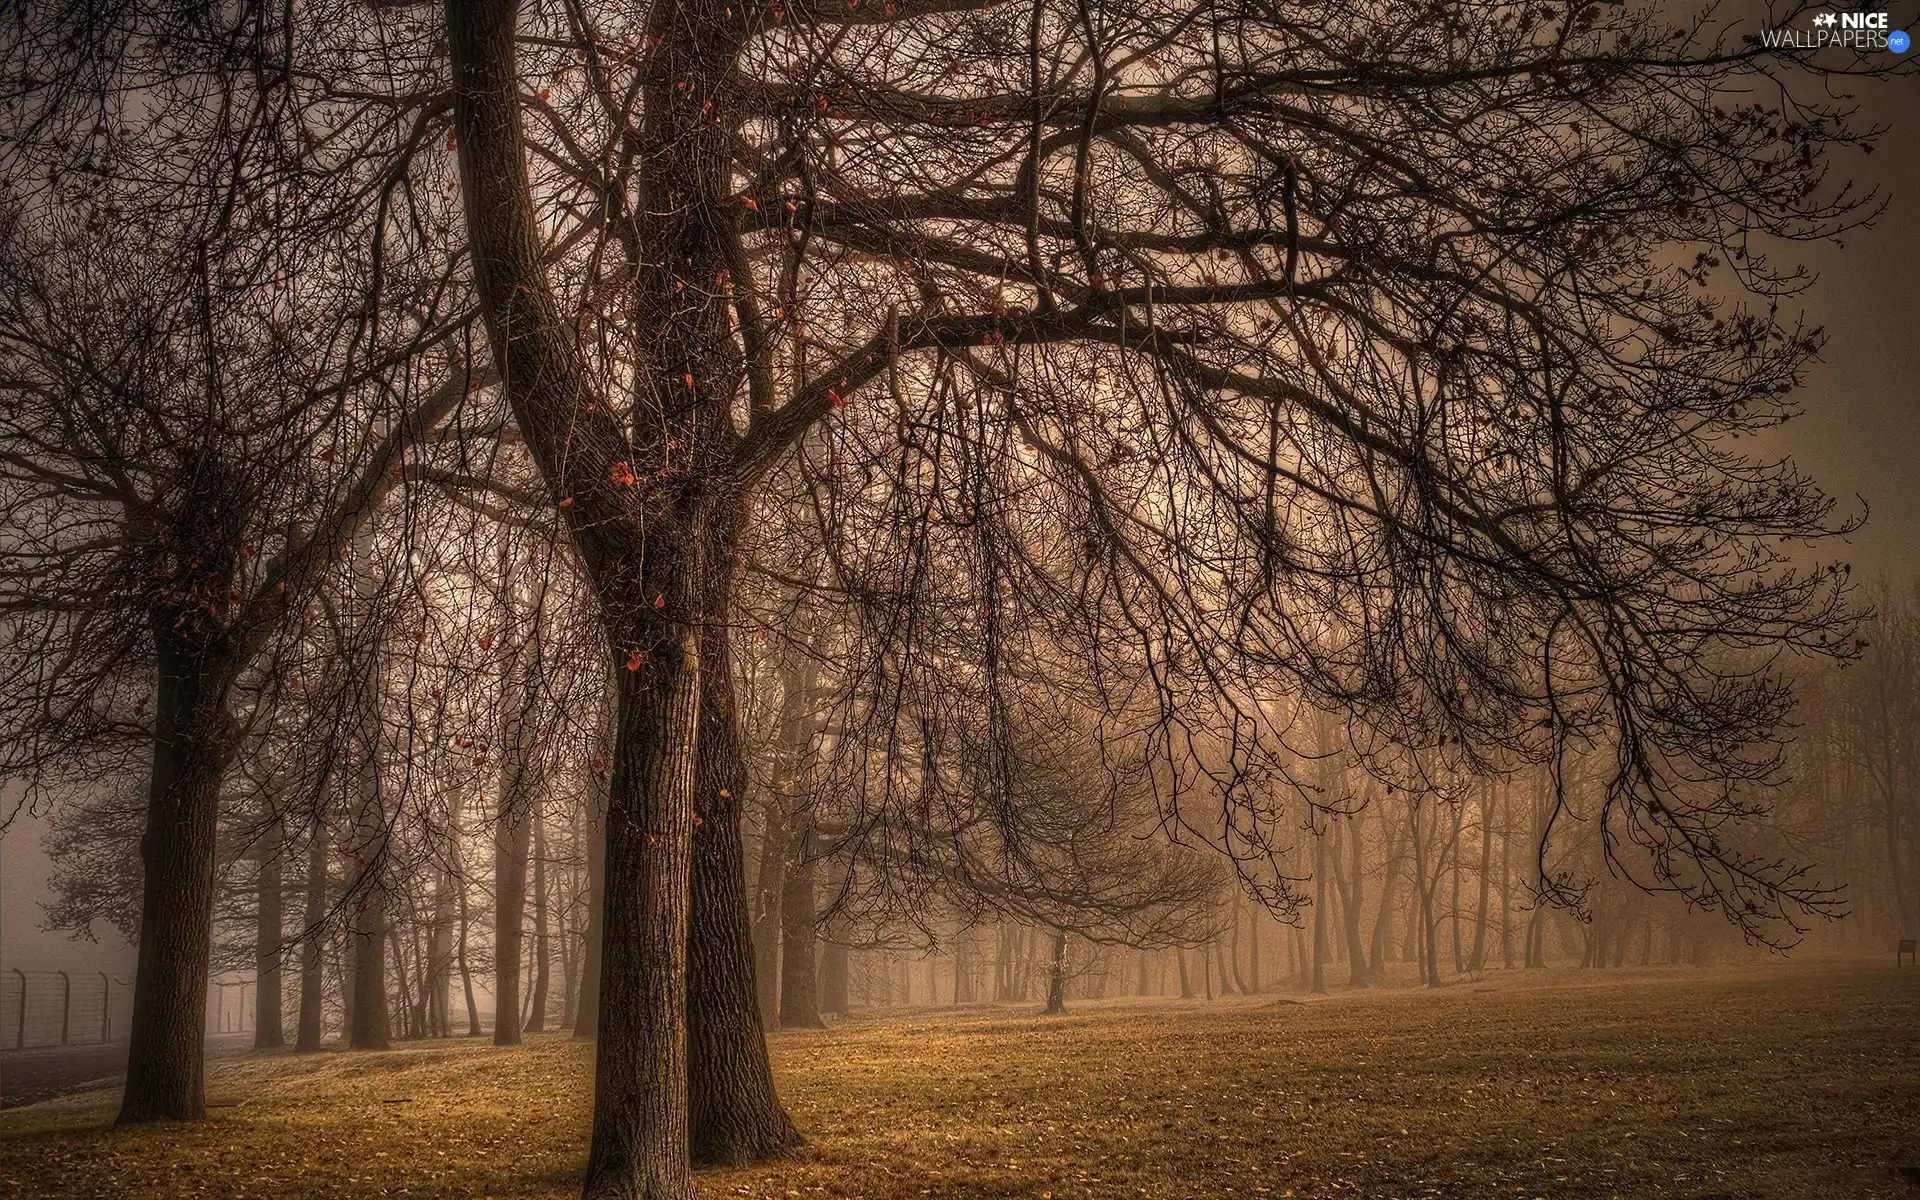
(948, 598)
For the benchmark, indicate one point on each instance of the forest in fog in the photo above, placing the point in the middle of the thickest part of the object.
(611, 530)
(483, 810)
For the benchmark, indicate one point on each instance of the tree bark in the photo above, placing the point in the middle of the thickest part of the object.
(1319, 986)
(269, 1022)
(536, 1021)
(509, 910)
(734, 1112)
(586, 1016)
(768, 881)
(1389, 879)
(799, 991)
(640, 1143)
(1348, 843)
(1057, 974)
(640, 508)
(312, 951)
(367, 1018)
(1479, 956)
(192, 747)
(833, 978)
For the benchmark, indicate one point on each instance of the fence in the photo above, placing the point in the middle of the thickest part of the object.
(62, 1008)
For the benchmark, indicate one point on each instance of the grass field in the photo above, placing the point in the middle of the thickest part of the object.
(1788, 1081)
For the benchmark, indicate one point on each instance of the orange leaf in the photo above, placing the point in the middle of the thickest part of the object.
(635, 658)
(486, 641)
(660, 600)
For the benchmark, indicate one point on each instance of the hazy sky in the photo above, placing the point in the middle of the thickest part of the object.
(1861, 433)
(1860, 438)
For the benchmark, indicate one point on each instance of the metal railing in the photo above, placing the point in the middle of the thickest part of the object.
(62, 1008)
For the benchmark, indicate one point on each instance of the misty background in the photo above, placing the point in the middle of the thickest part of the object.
(1858, 436)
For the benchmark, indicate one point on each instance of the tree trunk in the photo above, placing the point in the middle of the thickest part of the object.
(513, 819)
(397, 951)
(641, 1127)
(1256, 921)
(1057, 974)
(269, 1023)
(1479, 958)
(192, 746)
(368, 1028)
(1424, 883)
(734, 1112)
(1347, 844)
(440, 951)
(1453, 904)
(768, 881)
(799, 1003)
(536, 1021)
(833, 978)
(1233, 940)
(586, 1016)
(1319, 986)
(1389, 879)
(1506, 879)
(312, 949)
(642, 534)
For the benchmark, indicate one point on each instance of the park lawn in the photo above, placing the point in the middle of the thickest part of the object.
(1800, 1082)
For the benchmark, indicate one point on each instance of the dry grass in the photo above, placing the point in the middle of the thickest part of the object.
(1794, 1082)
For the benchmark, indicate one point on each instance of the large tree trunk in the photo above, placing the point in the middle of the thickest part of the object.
(734, 1114)
(641, 1128)
(1506, 878)
(192, 746)
(269, 1022)
(312, 949)
(640, 509)
(1426, 946)
(518, 808)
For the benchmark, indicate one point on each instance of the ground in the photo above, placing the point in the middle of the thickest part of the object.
(1791, 1081)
